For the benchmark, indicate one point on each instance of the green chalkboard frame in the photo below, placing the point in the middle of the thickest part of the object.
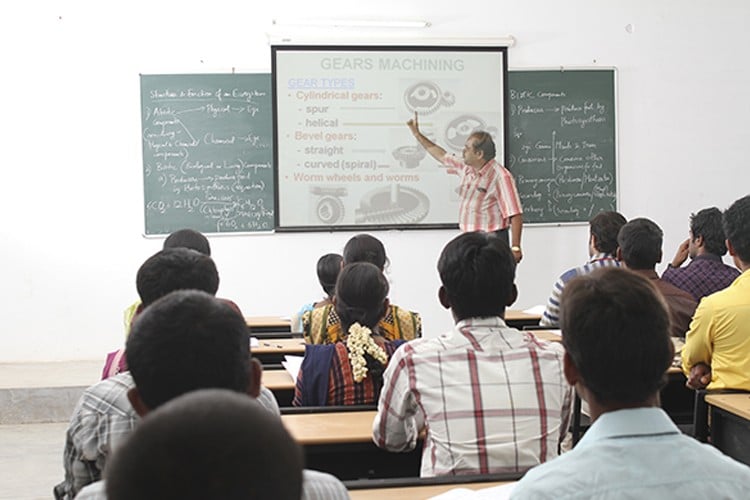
(563, 142)
(207, 152)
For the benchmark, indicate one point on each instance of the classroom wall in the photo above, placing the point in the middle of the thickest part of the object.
(71, 204)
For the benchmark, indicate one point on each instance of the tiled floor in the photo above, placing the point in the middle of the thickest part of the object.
(30, 460)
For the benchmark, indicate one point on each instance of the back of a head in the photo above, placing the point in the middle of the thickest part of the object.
(176, 269)
(185, 341)
(361, 290)
(365, 248)
(737, 227)
(188, 238)
(640, 242)
(208, 444)
(615, 328)
(477, 271)
(605, 226)
(329, 267)
(707, 224)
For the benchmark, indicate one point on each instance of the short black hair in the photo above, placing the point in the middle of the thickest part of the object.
(176, 269)
(361, 290)
(640, 242)
(188, 238)
(707, 223)
(604, 226)
(477, 270)
(329, 267)
(615, 328)
(483, 142)
(207, 444)
(365, 248)
(185, 341)
(737, 227)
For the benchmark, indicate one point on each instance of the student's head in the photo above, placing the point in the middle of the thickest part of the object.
(203, 445)
(477, 271)
(604, 227)
(365, 248)
(329, 267)
(187, 238)
(185, 341)
(706, 230)
(640, 243)
(737, 229)
(615, 329)
(361, 295)
(176, 269)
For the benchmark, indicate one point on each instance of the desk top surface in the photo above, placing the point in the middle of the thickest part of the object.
(738, 404)
(330, 428)
(417, 492)
(279, 346)
(277, 380)
(516, 315)
(267, 322)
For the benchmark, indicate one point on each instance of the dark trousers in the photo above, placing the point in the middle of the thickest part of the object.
(503, 234)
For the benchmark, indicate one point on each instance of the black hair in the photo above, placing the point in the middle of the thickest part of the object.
(477, 270)
(185, 341)
(365, 248)
(329, 267)
(176, 269)
(737, 227)
(483, 142)
(640, 242)
(604, 226)
(207, 444)
(615, 328)
(707, 224)
(188, 238)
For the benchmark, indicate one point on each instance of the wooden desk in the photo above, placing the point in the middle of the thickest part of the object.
(730, 424)
(548, 335)
(280, 383)
(417, 492)
(518, 319)
(271, 352)
(341, 444)
(268, 323)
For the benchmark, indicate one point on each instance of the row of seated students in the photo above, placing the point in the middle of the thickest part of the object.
(492, 399)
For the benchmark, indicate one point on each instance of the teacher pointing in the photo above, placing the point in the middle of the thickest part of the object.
(489, 199)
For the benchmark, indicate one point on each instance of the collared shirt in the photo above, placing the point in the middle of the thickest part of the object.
(551, 316)
(489, 197)
(102, 418)
(705, 274)
(490, 398)
(315, 486)
(718, 336)
(625, 454)
(680, 303)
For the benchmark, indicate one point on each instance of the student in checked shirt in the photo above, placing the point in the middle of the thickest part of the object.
(489, 199)
(490, 398)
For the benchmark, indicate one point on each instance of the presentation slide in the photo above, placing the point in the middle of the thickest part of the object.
(345, 157)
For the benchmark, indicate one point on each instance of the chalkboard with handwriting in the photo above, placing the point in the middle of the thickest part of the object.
(562, 143)
(207, 152)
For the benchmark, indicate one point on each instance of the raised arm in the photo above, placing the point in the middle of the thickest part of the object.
(433, 149)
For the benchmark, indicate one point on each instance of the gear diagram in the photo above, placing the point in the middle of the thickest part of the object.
(392, 204)
(427, 97)
(460, 128)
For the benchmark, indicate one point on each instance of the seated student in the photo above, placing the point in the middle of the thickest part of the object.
(185, 341)
(103, 415)
(177, 268)
(207, 444)
(603, 229)
(321, 325)
(183, 238)
(616, 334)
(706, 273)
(639, 249)
(350, 371)
(328, 269)
(490, 398)
(717, 347)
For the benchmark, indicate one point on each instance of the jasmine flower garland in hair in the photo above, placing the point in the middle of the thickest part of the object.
(358, 343)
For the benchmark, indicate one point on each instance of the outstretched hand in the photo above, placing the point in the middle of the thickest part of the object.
(413, 124)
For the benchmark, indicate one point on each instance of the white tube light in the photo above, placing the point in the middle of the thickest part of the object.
(352, 23)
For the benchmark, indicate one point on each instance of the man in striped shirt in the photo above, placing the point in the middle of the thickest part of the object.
(490, 398)
(489, 198)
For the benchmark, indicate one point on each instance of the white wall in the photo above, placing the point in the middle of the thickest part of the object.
(71, 200)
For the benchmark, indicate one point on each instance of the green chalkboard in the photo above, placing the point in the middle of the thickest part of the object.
(562, 143)
(207, 152)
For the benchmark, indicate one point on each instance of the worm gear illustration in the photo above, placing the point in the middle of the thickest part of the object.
(392, 204)
(426, 97)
